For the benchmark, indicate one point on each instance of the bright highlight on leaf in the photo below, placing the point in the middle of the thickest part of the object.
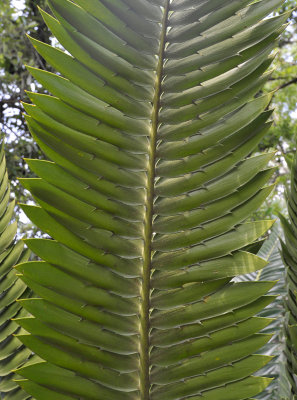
(149, 127)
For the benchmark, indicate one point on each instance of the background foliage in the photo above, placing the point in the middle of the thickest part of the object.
(18, 18)
(282, 135)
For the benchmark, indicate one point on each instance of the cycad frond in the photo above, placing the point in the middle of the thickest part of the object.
(149, 132)
(274, 270)
(290, 259)
(12, 353)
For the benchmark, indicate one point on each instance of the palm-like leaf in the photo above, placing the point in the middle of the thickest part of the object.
(149, 133)
(274, 270)
(12, 353)
(290, 258)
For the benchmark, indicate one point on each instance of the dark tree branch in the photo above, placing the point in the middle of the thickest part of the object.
(280, 78)
(10, 101)
(284, 85)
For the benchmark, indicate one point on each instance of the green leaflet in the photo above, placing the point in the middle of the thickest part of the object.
(12, 353)
(149, 132)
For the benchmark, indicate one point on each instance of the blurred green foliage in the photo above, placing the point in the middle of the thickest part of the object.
(18, 18)
(283, 134)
